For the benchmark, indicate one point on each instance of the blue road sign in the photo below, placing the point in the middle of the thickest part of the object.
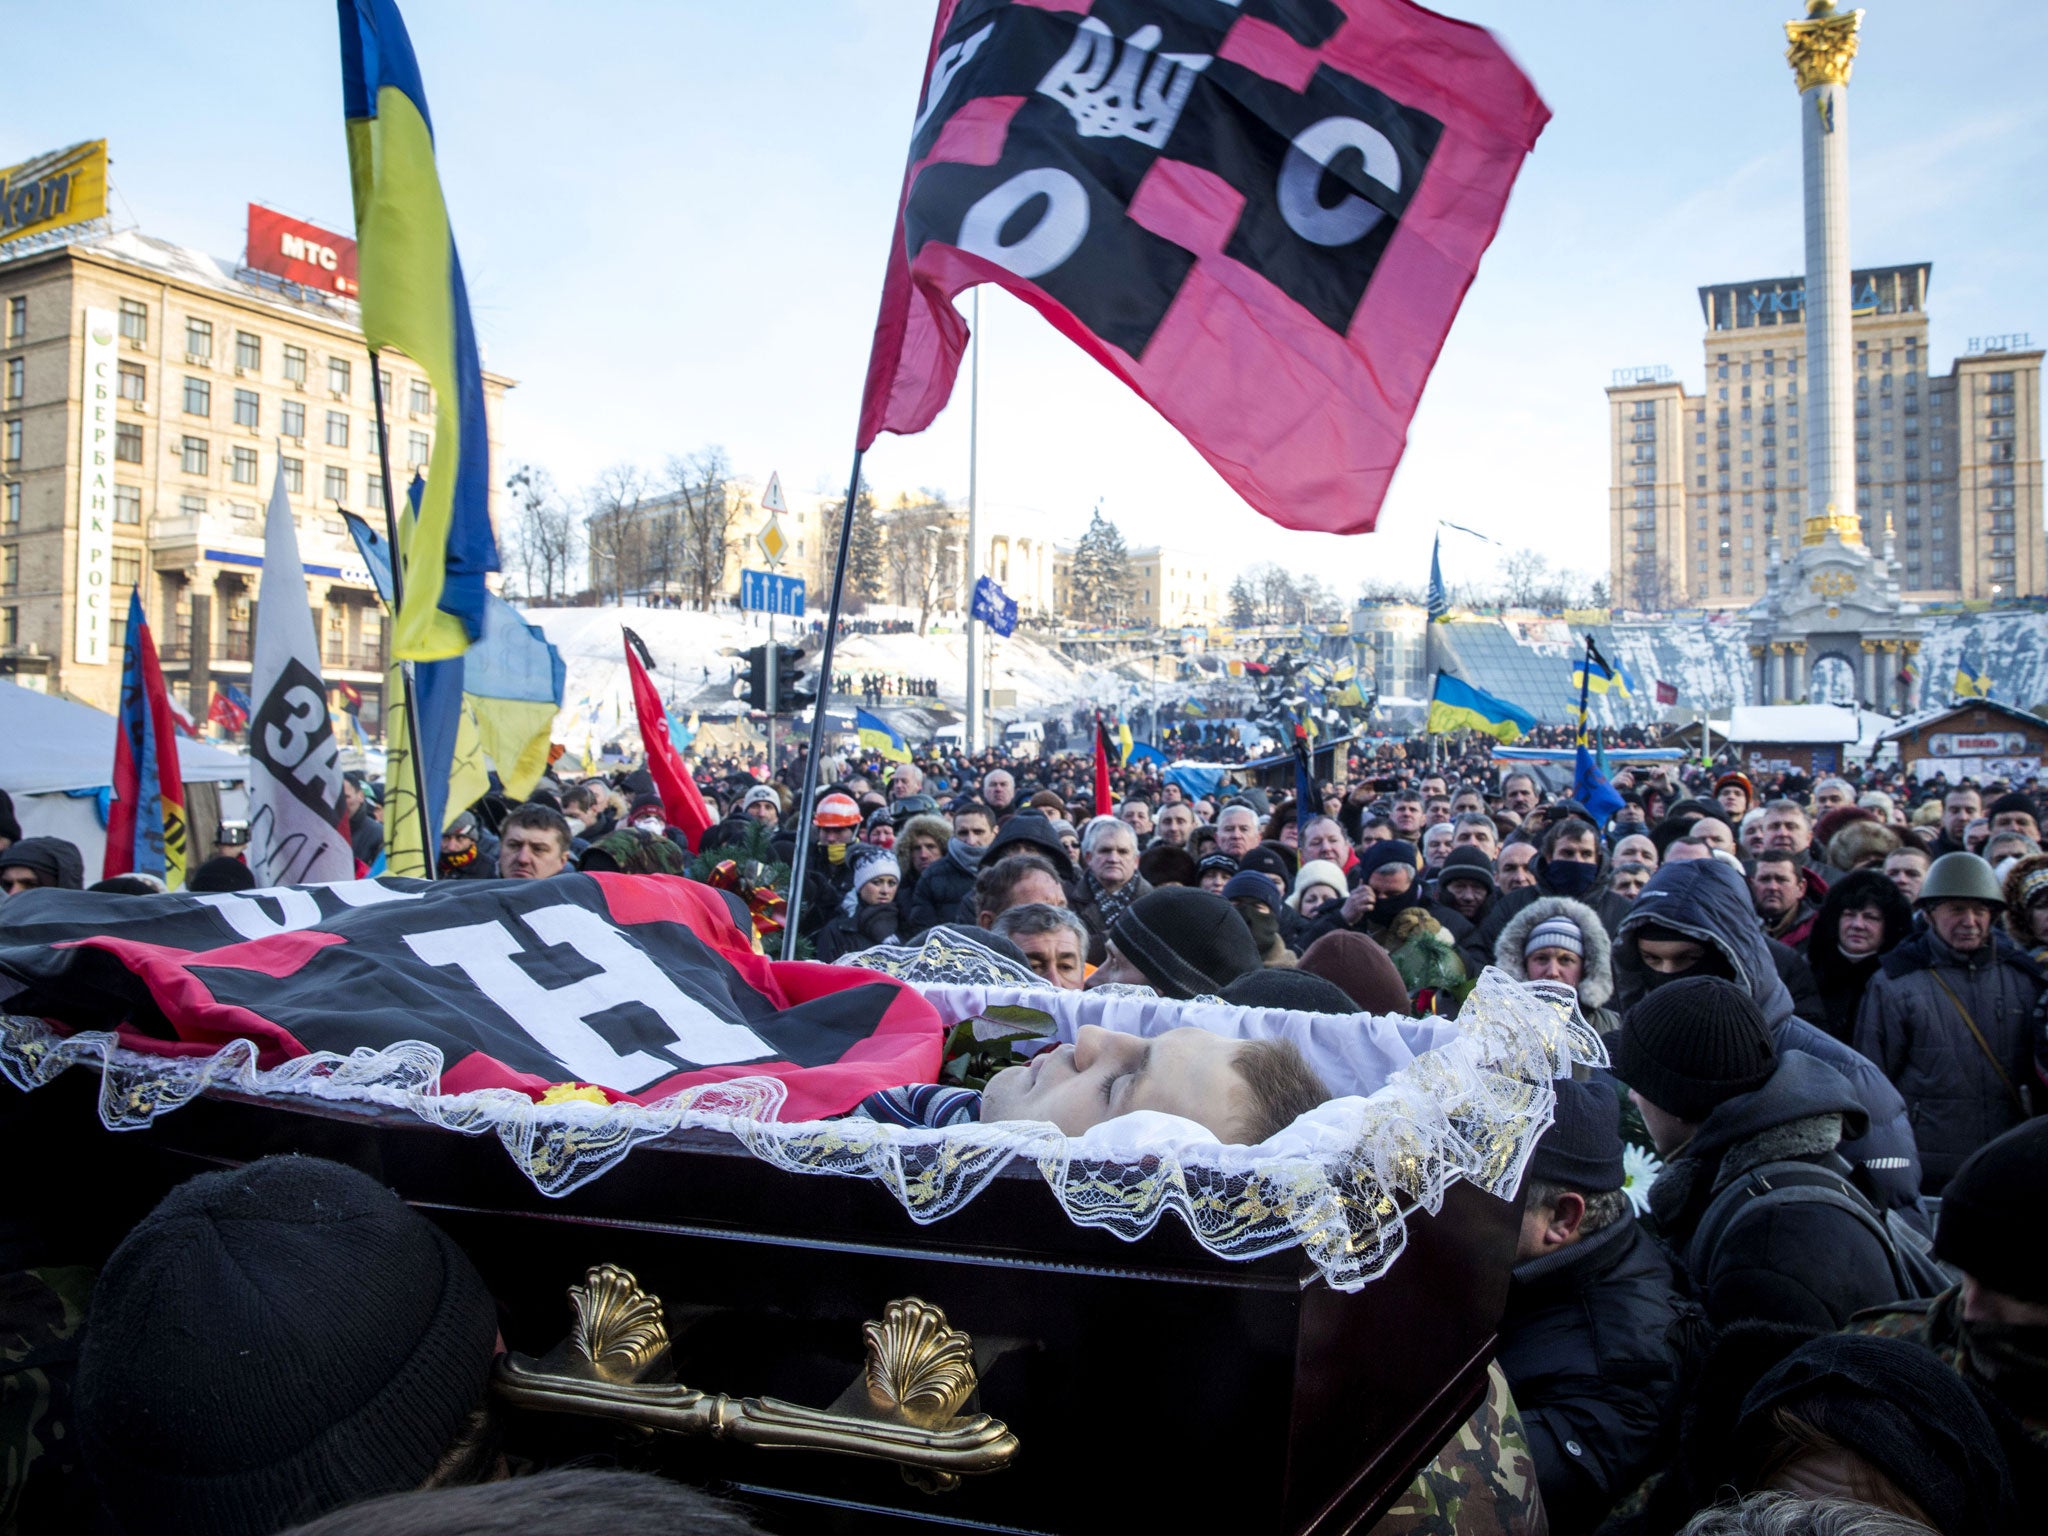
(766, 592)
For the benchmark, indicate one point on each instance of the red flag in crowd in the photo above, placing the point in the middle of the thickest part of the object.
(146, 817)
(1268, 241)
(681, 801)
(227, 714)
(1105, 799)
(1666, 693)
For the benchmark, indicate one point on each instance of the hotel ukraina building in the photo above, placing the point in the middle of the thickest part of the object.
(1948, 464)
(160, 484)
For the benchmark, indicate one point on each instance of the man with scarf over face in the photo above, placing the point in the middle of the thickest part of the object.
(1695, 919)
(1992, 1328)
(1387, 882)
(1569, 863)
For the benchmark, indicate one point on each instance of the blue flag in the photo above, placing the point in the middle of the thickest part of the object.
(1439, 595)
(1591, 789)
(994, 607)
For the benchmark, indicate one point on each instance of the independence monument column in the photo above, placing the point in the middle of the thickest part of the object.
(1822, 49)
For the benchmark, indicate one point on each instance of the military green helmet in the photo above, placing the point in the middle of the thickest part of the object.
(1960, 877)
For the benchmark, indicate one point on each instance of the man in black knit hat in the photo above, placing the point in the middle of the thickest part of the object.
(1180, 942)
(1596, 1324)
(276, 1341)
(1993, 1326)
(1750, 1135)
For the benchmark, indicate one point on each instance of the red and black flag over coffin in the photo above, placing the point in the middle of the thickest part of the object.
(1260, 214)
(638, 984)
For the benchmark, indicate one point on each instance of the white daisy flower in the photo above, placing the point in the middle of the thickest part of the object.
(1639, 1170)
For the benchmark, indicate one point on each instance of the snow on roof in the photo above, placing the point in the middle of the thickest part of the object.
(1793, 723)
(185, 264)
(1915, 721)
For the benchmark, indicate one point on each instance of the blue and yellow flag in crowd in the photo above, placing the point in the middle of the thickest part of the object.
(1455, 705)
(877, 735)
(412, 296)
(1593, 673)
(1973, 677)
(495, 702)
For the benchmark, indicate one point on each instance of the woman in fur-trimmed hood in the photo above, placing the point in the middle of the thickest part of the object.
(1563, 927)
(2026, 905)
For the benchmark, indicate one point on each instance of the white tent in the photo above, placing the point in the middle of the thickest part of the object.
(49, 747)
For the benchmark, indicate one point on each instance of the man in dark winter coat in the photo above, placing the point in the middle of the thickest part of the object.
(1695, 918)
(1950, 1018)
(1719, 1101)
(1568, 863)
(41, 863)
(1991, 1328)
(945, 891)
(1387, 882)
(1596, 1323)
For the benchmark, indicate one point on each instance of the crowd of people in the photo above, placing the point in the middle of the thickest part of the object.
(1780, 1265)
(872, 688)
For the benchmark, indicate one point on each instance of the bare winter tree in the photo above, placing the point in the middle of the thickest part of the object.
(543, 536)
(921, 543)
(706, 504)
(612, 524)
(864, 572)
(1524, 577)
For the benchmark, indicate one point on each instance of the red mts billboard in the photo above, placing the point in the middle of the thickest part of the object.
(301, 253)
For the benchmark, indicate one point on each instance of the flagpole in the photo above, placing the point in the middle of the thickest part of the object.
(1585, 690)
(806, 805)
(430, 836)
(973, 550)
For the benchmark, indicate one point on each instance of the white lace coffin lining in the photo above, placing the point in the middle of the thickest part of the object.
(1425, 1103)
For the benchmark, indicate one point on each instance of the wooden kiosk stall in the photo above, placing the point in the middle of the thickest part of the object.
(1973, 739)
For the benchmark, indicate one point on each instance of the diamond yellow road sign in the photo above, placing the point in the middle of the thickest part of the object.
(774, 543)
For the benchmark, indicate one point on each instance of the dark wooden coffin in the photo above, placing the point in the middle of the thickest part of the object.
(1149, 1385)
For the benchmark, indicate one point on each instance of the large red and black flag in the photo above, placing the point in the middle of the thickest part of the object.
(638, 984)
(1262, 215)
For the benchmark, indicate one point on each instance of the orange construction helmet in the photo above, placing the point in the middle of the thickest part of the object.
(837, 810)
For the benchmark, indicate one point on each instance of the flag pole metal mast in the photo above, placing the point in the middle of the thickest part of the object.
(974, 696)
(807, 806)
(430, 836)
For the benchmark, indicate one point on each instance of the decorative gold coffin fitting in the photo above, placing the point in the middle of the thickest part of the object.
(904, 1407)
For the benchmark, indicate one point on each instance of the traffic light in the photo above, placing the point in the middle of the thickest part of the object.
(757, 677)
(794, 692)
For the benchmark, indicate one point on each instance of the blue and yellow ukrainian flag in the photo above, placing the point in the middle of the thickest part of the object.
(412, 296)
(1455, 705)
(877, 735)
(1973, 678)
(1597, 675)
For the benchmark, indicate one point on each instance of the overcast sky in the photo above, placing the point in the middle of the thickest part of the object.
(674, 215)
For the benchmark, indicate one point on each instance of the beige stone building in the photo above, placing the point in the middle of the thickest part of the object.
(1173, 589)
(217, 373)
(1948, 465)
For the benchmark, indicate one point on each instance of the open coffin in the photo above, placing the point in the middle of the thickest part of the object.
(1294, 1326)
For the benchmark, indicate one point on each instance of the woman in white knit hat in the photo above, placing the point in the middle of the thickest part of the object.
(1316, 885)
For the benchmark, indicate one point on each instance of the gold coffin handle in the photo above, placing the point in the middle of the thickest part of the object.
(904, 1407)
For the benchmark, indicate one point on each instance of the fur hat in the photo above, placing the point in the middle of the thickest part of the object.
(1596, 969)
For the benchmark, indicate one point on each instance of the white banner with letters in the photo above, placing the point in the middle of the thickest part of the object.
(295, 807)
(95, 492)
